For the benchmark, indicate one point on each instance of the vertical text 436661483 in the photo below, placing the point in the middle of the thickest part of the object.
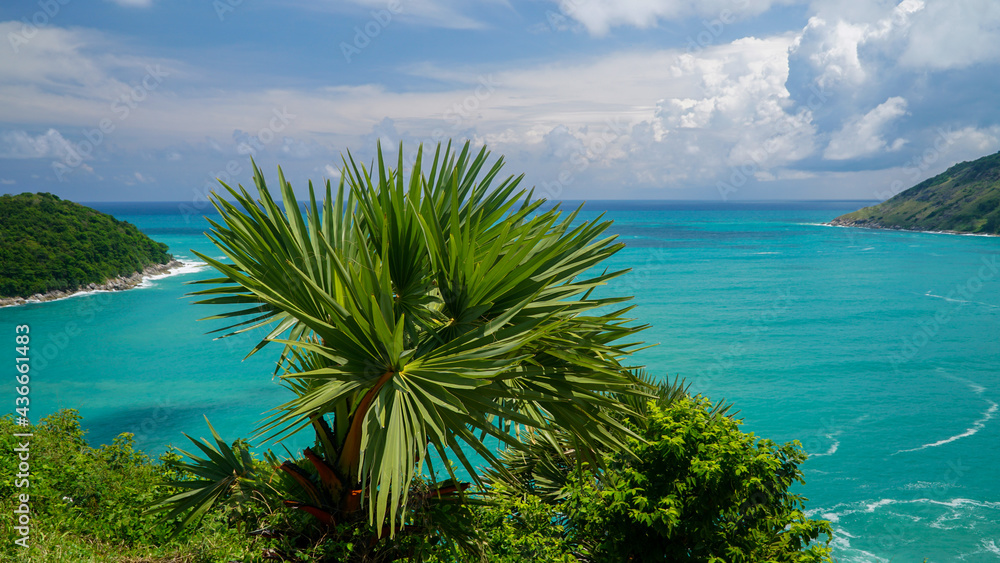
(22, 365)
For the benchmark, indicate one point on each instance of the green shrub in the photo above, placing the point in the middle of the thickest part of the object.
(88, 504)
(514, 528)
(697, 489)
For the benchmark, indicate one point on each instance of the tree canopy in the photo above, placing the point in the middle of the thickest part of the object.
(47, 244)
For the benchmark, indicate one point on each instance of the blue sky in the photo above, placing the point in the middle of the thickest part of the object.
(150, 100)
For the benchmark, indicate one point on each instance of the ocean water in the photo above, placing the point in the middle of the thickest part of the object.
(879, 351)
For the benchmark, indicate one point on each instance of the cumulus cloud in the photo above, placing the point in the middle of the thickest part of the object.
(861, 46)
(742, 108)
(863, 135)
(954, 34)
(832, 45)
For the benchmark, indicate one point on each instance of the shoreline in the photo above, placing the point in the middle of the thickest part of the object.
(120, 283)
(877, 227)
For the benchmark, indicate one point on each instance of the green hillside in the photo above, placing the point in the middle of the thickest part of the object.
(965, 198)
(50, 244)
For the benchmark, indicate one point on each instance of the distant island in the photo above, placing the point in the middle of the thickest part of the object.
(963, 199)
(52, 248)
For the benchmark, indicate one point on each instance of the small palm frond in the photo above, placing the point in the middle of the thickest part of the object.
(225, 472)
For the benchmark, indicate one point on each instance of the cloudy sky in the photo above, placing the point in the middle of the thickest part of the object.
(119, 100)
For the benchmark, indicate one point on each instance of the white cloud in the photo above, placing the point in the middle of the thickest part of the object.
(860, 45)
(954, 34)
(862, 135)
(599, 16)
(640, 117)
(741, 106)
(75, 77)
(832, 44)
(19, 144)
(450, 14)
(969, 143)
(134, 3)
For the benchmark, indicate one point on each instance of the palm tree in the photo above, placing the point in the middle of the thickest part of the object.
(424, 317)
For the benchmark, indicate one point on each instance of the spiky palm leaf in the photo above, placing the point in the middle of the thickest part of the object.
(434, 314)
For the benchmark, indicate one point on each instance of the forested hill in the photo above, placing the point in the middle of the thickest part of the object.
(965, 199)
(48, 244)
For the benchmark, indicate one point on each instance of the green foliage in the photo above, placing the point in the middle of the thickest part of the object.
(696, 489)
(513, 528)
(50, 244)
(88, 503)
(421, 317)
(965, 198)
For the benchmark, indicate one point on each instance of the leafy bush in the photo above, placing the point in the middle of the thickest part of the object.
(695, 489)
(87, 504)
(514, 527)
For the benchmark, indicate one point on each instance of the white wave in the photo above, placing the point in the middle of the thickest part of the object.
(919, 485)
(835, 437)
(873, 506)
(955, 503)
(186, 267)
(940, 523)
(972, 385)
(991, 546)
(833, 447)
(976, 427)
(956, 513)
(760, 253)
(963, 502)
(868, 248)
(903, 230)
(953, 300)
(847, 554)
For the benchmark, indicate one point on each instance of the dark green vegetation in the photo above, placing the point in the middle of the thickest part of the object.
(50, 244)
(965, 199)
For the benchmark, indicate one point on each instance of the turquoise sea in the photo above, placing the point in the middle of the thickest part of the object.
(878, 350)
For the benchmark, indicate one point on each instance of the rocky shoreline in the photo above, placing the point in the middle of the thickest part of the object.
(119, 283)
(864, 224)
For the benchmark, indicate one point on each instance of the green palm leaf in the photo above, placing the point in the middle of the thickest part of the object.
(425, 314)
